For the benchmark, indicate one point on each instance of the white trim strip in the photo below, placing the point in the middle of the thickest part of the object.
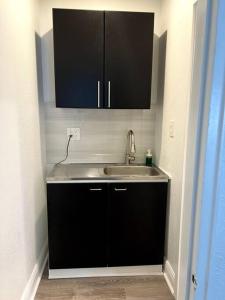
(169, 275)
(107, 271)
(35, 277)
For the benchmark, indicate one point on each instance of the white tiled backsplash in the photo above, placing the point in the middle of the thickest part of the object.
(103, 133)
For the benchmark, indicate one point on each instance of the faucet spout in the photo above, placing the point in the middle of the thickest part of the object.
(131, 148)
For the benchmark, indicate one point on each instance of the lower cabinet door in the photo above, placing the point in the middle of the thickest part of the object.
(77, 225)
(137, 223)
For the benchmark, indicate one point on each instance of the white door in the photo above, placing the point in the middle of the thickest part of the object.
(202, 236)
(208, 259)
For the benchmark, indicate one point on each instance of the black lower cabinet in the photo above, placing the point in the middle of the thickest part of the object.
(137, 223)
(106, 224)
(77, 225)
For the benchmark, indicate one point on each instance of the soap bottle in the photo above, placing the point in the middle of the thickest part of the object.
(148, 160)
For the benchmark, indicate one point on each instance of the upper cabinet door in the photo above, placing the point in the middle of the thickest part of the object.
(128, 59)
(78, 52)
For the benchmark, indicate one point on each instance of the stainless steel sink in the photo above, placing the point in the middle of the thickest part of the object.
(131, 171)
(106, 173)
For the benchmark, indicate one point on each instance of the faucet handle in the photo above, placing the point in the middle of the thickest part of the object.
(131, 158)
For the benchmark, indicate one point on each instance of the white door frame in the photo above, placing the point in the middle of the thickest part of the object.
(208, 262)
(203, 49)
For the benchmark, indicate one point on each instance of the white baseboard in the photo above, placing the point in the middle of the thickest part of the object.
(169, 275)
(107, 271)
(35, 277)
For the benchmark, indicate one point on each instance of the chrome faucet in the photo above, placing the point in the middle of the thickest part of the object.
(130, 148)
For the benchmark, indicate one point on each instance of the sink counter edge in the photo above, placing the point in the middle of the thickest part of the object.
(77, 173)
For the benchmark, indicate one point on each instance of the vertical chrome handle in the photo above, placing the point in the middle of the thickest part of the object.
(109, 94)
(98, 94)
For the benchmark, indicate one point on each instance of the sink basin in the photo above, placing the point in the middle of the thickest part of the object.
(131, 171)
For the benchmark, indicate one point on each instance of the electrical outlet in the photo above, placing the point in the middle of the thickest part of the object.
(171, 129)
(75, 132)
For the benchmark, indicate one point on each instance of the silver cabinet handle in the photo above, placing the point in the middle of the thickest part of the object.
(120, 190)
(95, 190)
(98, 94)
(109, 94)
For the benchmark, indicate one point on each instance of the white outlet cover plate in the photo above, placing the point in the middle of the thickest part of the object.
(75, 133)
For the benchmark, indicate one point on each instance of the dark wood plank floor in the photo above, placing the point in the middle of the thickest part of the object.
(104, 288)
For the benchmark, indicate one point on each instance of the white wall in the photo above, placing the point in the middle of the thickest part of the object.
(176, 17)
(22, 191)
(103, 133)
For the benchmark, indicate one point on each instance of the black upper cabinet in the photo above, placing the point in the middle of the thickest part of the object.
(128, 59)
(103, 59)
(78, 52)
